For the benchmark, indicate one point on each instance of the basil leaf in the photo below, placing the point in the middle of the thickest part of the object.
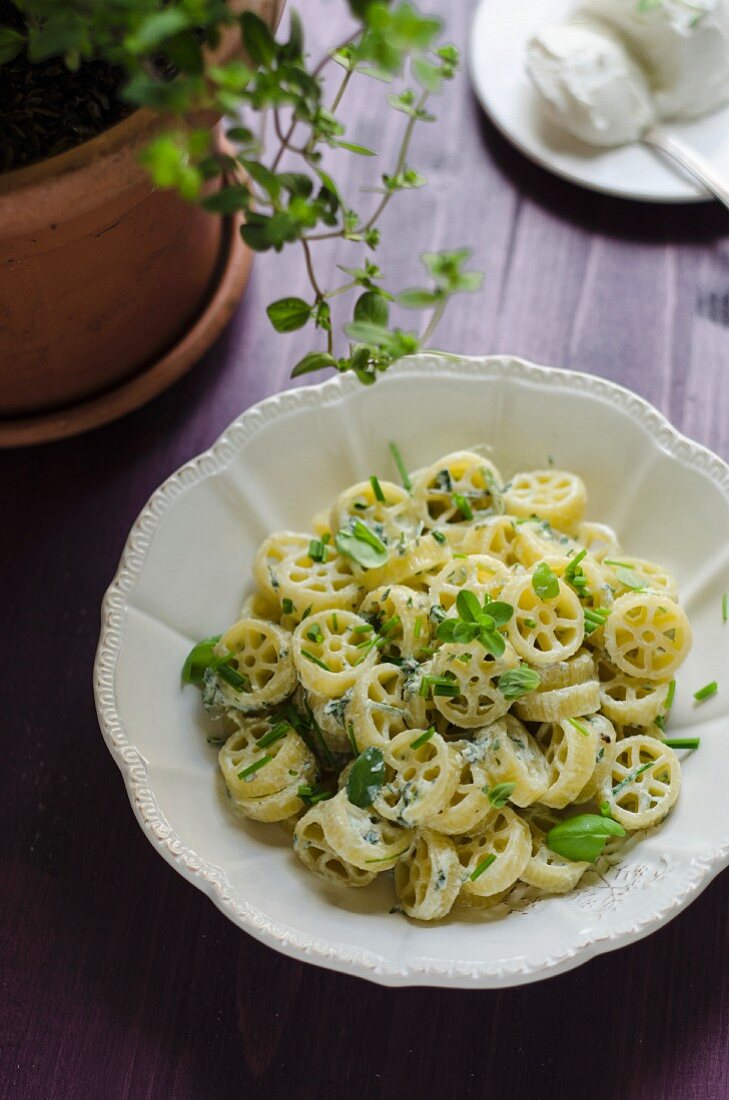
(361, 545)
(545, 583)
(582, 838)
(366, 777)
(468, 607)
(500, 794)
(518, 681)
(198, 659)
(629, 578)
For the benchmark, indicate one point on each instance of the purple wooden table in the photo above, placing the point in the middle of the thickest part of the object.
(120, 980)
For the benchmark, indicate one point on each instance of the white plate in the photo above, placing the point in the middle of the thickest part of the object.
(184, 572)
(497, 51)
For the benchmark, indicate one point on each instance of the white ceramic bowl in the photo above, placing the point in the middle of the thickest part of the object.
(186, 567)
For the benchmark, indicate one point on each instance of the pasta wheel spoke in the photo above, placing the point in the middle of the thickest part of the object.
(428, 880)
(495, 857)
(456, 489)
(511, 755)
(647, 636)
(543, 632)
(643, 782)
(331, 649)
(570, 748)
(421, 779)
(555, 495)
(377, 713)
(475, 698)
(316, 853)
(261, 667)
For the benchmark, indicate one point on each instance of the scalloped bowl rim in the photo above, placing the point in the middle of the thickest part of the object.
(211, 879)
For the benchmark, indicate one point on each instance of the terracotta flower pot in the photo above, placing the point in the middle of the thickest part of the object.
(110, 288)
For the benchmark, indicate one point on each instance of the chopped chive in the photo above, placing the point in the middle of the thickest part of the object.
(240, 683)
(312, 795)
(364, 628)
(631, 776)
(274, 734)
(377, 489)
(255, 767)
(483, 866)
(438, 536)
(315, 660)
(352, 738)
(417, 628)
(671, 694)
(307, 612)
(424, 737)
(335, 621)
(706, 691)
(315, 634)
(683, 742)
(605, 810)
(660, 721)
(287, 606)
(395, 452)
(531, 623)
(463, 506)
(579, 727)
(318, 549)
(388, 859)
(725, 608)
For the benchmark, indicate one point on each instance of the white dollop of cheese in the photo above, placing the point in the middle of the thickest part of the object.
(683, 46)
(589, 85)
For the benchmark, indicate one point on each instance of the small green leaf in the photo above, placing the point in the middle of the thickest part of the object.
(500, 611)
(545, 583)
(11, 43)
(427, 75)
(199, 658)
(582, 838)
(362, 545)
(288, 314)
(483, 866)
(417, 298)
(500, 794)
(314, 360)
(366, 777)
(468, 607)
(157, 27)
(518, 681)
(257, 39)
(371, 307)
(361, 150)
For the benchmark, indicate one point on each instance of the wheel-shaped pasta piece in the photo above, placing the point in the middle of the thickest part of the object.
(570, 748)
(377, 711)
(643, 782)
(278, 806)
(317, 585)
(565, 702)
(494, 857)
(598, 539)
(316, 853)
(331, 650)
(512, 755)
(546, 870)
(469, 805)
(390, 517)
(480, 574)
(555, 495)
(257, 605)
(647, 636)
(624, 576)
(543, 631)
(420, 710)
(403, 616)
(472, 697)
(576, 670)
(261, 663)
(331, 716)
(361, 837)
(606, 738)
(271, 553)
(535, 540)
(629, 701)
(475, 901)
(251, 770)
(456, 488)
(410, 561)
(428, 880)
(493, 536)
(422, 776)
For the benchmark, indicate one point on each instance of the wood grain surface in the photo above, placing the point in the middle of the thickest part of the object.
(118, 979)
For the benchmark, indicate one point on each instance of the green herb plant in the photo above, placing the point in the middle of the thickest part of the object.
(165, 49)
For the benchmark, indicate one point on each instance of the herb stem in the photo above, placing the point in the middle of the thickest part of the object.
(436, 316)
(404, 146)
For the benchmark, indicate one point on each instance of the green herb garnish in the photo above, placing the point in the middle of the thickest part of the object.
(483, 866)
(318, 550)
(575, 576)
(315, 634)
(706, 691)
(582, 838)
(377, 489)
(595, 617)
(628, 779)
(233, 678)
(671, 694)
(626, 575)
(274, 734)
(395, 452)
(362, 545)
(311, 795)
(389, 859)
(518, 681)
(199, 658)
(352, 738)
(725, 608)
(287, 606)
(579, 727)
(315, 660)
(439, 537)
(463, 505)
(424, 737)
(544, 582)
(252, 768)
(500, 794)
(477, 622)
(683, 742)
(366, 777)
